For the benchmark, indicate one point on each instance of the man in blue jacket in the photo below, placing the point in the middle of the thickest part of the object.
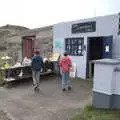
(36, 65)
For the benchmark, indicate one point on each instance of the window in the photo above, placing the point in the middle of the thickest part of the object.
(74, 46)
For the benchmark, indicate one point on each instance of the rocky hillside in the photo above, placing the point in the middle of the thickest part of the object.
(7, 31)
(11, 41)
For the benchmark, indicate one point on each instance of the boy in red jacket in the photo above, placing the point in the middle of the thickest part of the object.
(65, 64)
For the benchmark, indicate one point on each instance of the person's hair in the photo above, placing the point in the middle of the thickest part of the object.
(65, 54)
(37, 52)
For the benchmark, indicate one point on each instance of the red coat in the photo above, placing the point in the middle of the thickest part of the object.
(65, 64)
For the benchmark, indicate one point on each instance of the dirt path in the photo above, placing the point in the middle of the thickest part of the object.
(21, 103)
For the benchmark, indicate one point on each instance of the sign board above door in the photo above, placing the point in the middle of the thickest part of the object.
(84, 27)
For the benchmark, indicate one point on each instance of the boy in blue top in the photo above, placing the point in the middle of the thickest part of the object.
(36, 65)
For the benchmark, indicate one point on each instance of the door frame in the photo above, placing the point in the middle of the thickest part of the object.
(33, 38)
(88, 52)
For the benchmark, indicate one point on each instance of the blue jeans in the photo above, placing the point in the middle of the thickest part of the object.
(36, 78)
(65, 80)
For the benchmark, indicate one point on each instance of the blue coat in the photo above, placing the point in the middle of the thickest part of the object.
(37, 63)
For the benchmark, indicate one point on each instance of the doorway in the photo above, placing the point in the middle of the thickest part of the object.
(95, 48)
(98, 48)
(28, 46)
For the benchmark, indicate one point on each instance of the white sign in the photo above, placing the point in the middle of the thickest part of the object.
(107, 48)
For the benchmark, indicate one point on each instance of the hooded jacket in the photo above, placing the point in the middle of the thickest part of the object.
(65, 64)
(37, 63)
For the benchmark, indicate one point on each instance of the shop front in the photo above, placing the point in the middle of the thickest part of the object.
(87, 40)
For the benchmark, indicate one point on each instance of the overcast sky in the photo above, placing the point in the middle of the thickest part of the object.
(38, 13)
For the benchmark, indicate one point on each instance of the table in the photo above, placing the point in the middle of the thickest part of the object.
(22, 72)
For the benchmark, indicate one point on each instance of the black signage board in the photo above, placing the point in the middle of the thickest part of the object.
(84, 27)
(119, 25)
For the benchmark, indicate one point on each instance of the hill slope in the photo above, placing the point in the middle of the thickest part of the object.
(7, 31)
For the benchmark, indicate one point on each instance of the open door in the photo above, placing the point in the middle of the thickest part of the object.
(107, 47)
(98, 48)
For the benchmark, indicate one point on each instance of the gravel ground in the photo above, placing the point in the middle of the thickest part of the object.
(4, 116)
(21, 103)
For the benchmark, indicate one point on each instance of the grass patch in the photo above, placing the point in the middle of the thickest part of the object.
(90, 113)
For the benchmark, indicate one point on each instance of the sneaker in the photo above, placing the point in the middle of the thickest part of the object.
(36, 89)
(69, 87)
(63, 89)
